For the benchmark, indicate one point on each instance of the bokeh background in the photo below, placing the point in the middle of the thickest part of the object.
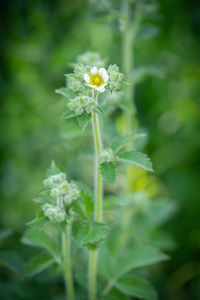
(39, 42)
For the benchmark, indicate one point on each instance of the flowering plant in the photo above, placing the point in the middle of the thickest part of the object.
(76, 213)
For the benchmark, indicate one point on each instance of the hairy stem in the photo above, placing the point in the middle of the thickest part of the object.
(67, 264)
(92, 272)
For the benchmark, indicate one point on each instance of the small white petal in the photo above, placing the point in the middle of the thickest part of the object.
(92, 86)
(104, 74)
(86, 77)
(93, 71)
(100, 89)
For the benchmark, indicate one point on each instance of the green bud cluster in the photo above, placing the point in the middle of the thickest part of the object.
(115, 77)
(82, 103)
(54, 213)
(61, 194)
(106, 155)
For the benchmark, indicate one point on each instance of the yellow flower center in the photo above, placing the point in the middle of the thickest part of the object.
(96, 80)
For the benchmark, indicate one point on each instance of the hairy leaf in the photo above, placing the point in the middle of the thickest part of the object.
(108, 171)
(83, 120)
(39, 221)
(68, 114)
(64, 91)
(90, 233)
(136, 158)
(120, 142)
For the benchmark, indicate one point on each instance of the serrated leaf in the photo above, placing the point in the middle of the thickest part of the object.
(52, 170)
(37, 264)
(120, 141)
(108, 171)
(90, 233)
(136, 158)
(38, 238)
(83, 120)
(69, 114)
(136, 287)
(12, 261)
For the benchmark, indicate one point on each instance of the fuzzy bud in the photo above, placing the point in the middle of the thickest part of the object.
(55, 192)
(47, 183)
(64, 186)
(74, 84)
(106, 155)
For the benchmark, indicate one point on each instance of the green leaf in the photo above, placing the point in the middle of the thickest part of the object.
(68, 114)
(88, 202)
(136, 158)
(39, 221)
(98, 110)
(52, 170)
(136, 287)
(64, 91)
(4, 234)
(38, 238)
(12, 261)
(83, 120)
(90, 233)
(121, 141)
(140, 257)
(37, 264)
(108, 171)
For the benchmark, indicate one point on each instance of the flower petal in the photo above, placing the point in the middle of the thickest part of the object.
(92, 86)
(100, 89)
(104, 74)
(86, 77)
(93, 71)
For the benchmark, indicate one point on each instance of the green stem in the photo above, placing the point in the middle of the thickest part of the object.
(67, 264)
(92, 272)
(98, 180)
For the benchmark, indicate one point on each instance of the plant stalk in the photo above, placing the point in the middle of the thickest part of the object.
(92, 271)
(69, 288)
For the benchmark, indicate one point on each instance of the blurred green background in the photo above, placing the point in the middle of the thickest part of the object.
(39, 41)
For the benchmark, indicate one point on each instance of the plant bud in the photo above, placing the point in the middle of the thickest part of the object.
(74, 192)
(67, 199)
(74, 84)
(60, 217)
(64, 186)
(55, 192)
(106, 155)
(113, 69)
(79, 70)
(47, 183)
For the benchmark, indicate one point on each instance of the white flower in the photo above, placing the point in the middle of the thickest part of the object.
(97, 79)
